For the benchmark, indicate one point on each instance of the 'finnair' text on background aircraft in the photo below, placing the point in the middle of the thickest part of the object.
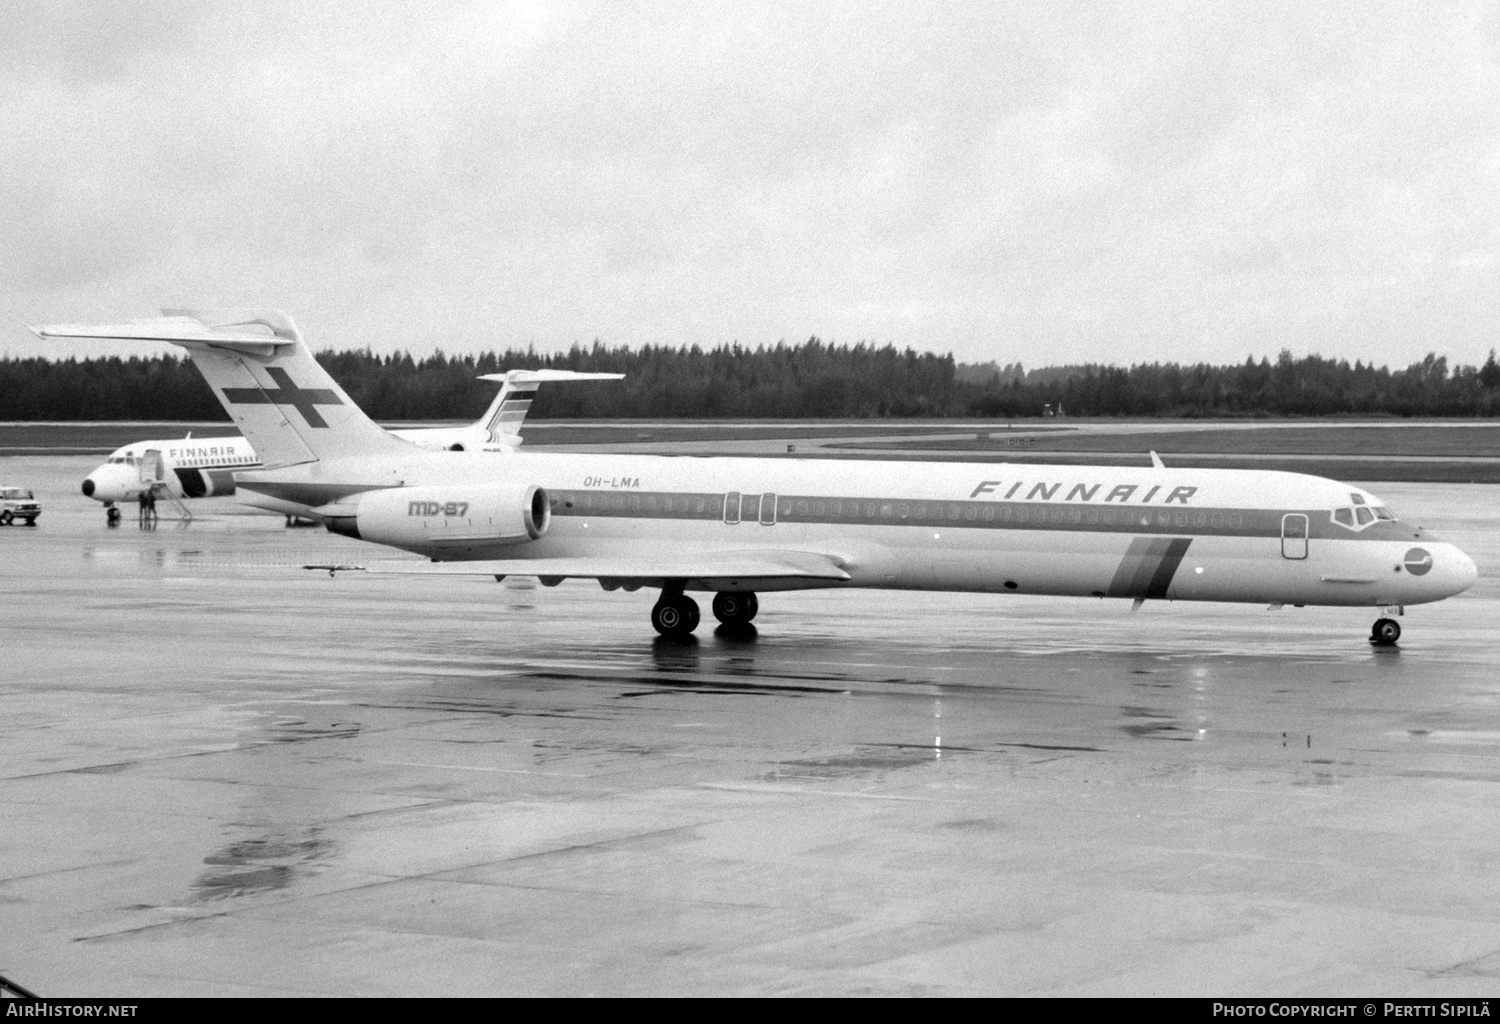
(735, 527)
(179, 468)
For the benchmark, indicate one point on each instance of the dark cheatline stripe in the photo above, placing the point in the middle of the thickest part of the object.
(1148, 567)
(192, 482)
(1167, 568)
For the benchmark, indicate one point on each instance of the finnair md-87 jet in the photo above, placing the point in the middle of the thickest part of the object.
(740, 527)
(183, 468)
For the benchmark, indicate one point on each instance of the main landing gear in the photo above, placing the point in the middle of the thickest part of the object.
(676, 614)
(1385, 632)
(735, 609)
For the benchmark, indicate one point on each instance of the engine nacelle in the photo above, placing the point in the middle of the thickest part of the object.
(435, 518)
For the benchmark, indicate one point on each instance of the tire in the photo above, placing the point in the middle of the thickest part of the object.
(675, 616)
(1385, 632)
(667, 618)
(735, 609)
(31, 521)
(6, 517)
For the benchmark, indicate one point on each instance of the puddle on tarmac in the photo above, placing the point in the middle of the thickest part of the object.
(252, 866)
(866, 759)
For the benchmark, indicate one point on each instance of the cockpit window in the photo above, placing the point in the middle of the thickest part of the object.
(1357, 517)
(1356, 499)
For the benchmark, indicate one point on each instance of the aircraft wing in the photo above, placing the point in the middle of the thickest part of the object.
(716, 568)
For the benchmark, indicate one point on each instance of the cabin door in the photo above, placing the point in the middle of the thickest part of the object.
(1294, 535)
(153, 471)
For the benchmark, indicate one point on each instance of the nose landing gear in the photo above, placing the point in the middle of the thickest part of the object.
(1385, 632)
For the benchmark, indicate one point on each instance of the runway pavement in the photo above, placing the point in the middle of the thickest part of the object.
(220, 774)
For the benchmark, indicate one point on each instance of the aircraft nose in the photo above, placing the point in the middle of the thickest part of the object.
(1463, 571)
(88, 487)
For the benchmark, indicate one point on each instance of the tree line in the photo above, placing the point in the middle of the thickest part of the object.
(810, 380)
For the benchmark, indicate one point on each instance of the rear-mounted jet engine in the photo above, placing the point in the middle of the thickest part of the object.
(444, 519)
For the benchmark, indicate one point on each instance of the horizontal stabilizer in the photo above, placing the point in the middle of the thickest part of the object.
(720, 566)
(546, 376)
(225, 329)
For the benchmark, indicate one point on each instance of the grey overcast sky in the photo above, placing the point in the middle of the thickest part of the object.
(1046, 182)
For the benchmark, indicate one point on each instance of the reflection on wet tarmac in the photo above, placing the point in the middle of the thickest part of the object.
(251, 866)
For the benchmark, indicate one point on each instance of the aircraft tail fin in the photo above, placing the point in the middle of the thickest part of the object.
(266, 378)
(503, 419)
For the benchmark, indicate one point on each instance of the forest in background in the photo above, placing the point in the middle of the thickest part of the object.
(807, 381)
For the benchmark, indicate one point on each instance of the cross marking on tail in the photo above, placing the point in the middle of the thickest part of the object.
(304, 400)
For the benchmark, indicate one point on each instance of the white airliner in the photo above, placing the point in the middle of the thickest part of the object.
(737, 527)
(184, 468)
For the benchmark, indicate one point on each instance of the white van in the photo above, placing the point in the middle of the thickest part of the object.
(18, 503)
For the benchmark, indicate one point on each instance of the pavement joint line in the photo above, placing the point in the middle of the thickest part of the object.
(63, 871)
(780, 790)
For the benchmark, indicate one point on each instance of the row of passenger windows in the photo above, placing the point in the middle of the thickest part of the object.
(769, 508)
(223, 460)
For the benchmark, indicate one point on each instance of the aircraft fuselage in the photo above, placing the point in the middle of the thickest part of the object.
(1149, 533)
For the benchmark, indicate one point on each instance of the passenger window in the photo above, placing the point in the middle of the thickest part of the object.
(732, 507)
(1343, 517)
(1364, 516)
